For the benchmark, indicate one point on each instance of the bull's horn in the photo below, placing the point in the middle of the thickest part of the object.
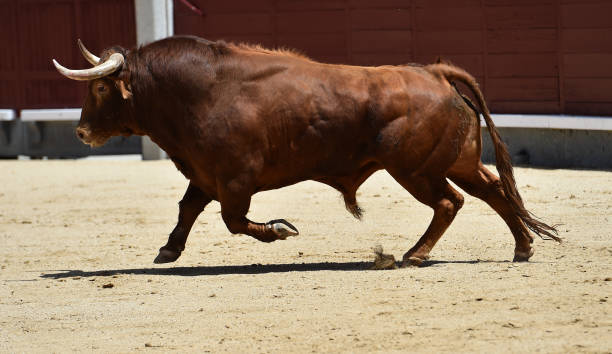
(108, 67)
(92, 59)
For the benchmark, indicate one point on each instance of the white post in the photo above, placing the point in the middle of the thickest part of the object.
(154, 20)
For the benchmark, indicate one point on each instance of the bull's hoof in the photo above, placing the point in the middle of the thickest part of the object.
(522, 256)
(166, 256)
(282, 228)
(413, 261)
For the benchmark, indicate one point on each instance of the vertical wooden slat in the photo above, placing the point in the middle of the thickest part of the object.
(77, 28)
(413, 31)
(560, 60)
(485, 50)
(20, 88)
(275, 22)
(349, 32)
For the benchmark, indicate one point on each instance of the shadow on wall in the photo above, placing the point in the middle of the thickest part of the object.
(553, 148)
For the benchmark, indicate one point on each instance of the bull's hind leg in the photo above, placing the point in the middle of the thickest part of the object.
(483, 184)
(443, 199)
(190, 207)
(234, 208)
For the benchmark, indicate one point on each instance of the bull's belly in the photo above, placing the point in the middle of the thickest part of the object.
(324, 167)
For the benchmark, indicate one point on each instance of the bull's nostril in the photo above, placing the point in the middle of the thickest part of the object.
(81, 135)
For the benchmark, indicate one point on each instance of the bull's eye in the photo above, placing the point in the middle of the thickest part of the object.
(101, 88)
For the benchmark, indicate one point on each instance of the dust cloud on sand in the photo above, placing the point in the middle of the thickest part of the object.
(79, 238)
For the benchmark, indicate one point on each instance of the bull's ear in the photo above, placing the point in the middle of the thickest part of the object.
(125, 88)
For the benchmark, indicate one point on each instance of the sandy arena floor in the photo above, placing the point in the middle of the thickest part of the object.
(79, 237)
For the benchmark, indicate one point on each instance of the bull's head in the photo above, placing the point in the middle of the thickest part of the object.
(106, 110)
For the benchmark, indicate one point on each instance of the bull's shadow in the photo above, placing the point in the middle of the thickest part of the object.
(239, 269)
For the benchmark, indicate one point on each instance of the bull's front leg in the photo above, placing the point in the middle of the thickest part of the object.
(235, 202)
(190, 207)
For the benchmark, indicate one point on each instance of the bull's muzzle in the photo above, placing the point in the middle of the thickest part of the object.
(83, 134)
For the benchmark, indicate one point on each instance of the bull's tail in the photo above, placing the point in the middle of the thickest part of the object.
(502, 157)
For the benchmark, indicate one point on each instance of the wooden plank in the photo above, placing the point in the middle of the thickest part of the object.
(241, 23)
(316, 45)
(57, 93)
(10, 83)
(9, 94)
(472, 63)
(8, 58)
(523, 89)
(448, 18)
(381, 41)
(375, 59)
(211, 7)
(381, 19)
(583, 1)
(537, 107)
(588, 65)
(518, 2)
(522, 40)
(523, 65)
(301, 5)
(117, 20)
(48, 28)
(598, 40)
(590, 108)
(51, 26)
(265, 40)
(559, 50)
(585, 15)
(446, 3)
(449, 42)
(588, 90)
(380, 4)
(302, 22)
(541, 16)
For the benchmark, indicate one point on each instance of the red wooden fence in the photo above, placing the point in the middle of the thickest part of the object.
(530, 56)
(32, 32)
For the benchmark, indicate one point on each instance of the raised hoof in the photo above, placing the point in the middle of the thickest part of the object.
(522, 256)
(166, 256)
(282, 228)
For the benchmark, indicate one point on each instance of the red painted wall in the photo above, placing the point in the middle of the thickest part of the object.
(32, 32)
(530, 56)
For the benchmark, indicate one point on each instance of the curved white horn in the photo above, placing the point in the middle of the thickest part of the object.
(92, 59)
(114, 62)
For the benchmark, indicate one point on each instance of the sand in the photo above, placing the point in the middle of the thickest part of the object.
(79, 238)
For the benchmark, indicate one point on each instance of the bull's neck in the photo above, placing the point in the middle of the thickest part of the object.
(165, 98)
(163, 123)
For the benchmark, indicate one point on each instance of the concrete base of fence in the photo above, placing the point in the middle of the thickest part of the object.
(56, 140)
(554, 148)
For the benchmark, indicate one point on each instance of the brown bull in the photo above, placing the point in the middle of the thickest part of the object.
(238, 119)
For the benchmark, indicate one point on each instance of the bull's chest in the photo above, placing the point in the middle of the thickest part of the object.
(205, 182)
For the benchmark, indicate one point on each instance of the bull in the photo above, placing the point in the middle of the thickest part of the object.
(239, 119)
